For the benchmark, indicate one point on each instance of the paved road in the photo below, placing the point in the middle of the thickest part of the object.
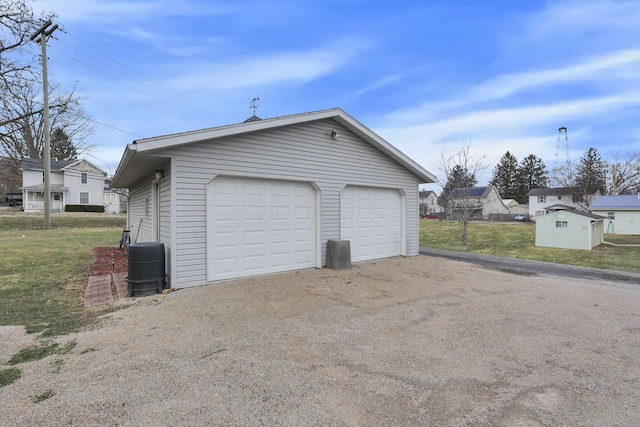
(525, 267)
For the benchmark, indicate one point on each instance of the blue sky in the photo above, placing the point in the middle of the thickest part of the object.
(428, 76)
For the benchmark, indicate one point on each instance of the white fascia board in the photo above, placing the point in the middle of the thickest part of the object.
(127, 157)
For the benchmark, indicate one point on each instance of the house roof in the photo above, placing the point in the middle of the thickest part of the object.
(581, 213)
(38, 164)
(253, 118)
(426, 193)
(629, 202)
(56, 165)
(141, 152)
(554, 191)
(471, 192)
(40, 187)
(560, 207)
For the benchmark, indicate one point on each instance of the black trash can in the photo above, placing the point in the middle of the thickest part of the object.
(146, 269)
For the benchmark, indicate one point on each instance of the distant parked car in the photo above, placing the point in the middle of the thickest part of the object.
(522, 217)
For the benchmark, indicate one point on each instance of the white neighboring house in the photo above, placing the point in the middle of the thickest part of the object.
(622, 213)
(542, 201)
(515, 207)
(569, 229)
(429, 203)
(480, 201)
(72, 182)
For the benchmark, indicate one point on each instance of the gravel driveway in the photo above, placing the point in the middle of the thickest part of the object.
(407, 341)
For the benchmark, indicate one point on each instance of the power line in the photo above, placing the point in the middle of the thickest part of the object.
(104, 124)
(171, 107)
(185, 101)
(204, 114)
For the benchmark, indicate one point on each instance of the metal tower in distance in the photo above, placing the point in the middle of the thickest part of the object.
(561, 174)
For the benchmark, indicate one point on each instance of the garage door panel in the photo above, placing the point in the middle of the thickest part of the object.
(371, 219)
(258, 227)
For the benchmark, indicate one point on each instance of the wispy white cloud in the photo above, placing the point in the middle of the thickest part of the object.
(589, 69)
(379, 84)
(128, 11)
(622, 65)
(584, 18)
(522, 130)
(272, 69)
(171, 44)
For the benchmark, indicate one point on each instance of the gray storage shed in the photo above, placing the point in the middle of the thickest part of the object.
(570, 229)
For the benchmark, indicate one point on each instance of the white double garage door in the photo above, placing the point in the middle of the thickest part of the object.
(257, 226)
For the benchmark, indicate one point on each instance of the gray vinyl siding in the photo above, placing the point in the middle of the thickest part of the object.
(302, 152)
(139, 221)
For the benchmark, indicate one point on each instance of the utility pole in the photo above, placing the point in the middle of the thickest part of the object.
(45, 32)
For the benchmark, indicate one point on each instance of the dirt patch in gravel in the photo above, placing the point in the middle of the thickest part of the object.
(410, 341)
(108, 260)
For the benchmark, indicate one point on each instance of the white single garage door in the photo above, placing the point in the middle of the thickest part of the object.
(371, 218)
(257, 226)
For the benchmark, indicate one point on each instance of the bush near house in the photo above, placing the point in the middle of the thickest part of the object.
(84, 208)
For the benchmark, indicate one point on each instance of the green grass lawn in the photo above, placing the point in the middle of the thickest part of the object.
(43, 273)
(518, 241)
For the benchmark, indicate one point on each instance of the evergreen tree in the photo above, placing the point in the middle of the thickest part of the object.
(532, 173)
(62, 147)
(457, 177)
(505, 176)
(591, 172)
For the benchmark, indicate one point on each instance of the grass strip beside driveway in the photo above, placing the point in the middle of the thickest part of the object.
(43, 274)
(518, 241)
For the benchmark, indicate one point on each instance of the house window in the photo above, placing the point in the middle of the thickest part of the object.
(542, 199)
(84, 198)
(540, 213)
(83, 177)
(611, 215)
(56, 197)
(562, 224)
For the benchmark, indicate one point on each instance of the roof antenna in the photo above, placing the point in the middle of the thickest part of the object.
(254, 105)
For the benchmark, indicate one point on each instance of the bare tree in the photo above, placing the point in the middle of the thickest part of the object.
(461, 170)
(623, 174)
(22, 127)
(17, 24)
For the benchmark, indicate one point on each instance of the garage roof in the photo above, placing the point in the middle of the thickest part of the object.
(144, 152)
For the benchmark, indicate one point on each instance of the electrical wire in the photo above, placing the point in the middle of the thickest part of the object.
(193, 106)
(200, 111)
(155, 106)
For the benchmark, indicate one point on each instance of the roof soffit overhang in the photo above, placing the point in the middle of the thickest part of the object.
(135, 166)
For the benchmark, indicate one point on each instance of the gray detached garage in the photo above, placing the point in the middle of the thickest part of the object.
(265, 196)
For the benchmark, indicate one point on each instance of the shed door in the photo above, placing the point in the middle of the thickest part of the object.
(257, 226)
(371, 218)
